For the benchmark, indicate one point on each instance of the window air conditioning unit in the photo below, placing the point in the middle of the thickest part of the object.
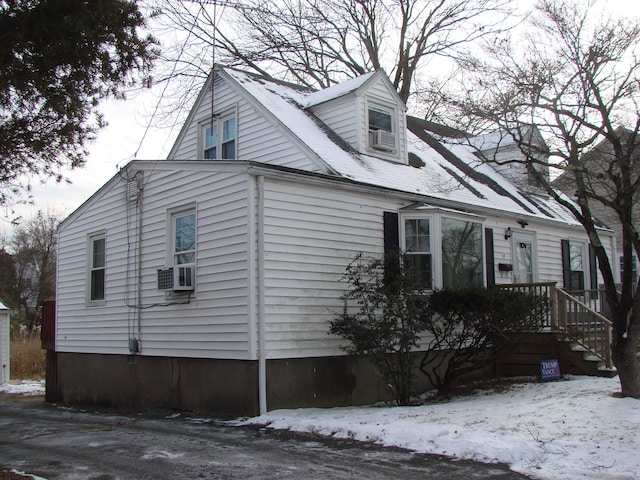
(383, 140)
(179, 278)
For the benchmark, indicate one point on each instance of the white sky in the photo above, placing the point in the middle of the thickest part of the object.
(115, 146)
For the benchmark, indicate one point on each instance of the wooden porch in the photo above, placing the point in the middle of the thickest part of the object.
(576, 331)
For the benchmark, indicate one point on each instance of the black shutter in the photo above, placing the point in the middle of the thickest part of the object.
(391, 246)
(489, 257)
(566, 264)
(391, 233)
(593, 268)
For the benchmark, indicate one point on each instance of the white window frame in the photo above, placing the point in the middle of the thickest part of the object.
(91, 268)
(172, 215)
(482, 250)
(392, 111)
(580, 245)
(435, 232)
(219, 125)
(432, 253)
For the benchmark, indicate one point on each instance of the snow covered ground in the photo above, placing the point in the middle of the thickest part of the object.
(25, 387)
(573, 428)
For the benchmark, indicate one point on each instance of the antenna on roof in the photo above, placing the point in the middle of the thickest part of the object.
(214, 20)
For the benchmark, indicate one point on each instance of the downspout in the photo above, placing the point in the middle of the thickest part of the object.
(262, 350)
(139, 266)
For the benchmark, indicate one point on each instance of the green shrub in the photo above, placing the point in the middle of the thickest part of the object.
(471, 326)
(387, 317)
(381, 318)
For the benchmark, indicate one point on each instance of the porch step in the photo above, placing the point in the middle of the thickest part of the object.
(524, 352)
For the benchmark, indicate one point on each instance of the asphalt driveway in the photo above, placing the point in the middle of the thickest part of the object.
(60, 443)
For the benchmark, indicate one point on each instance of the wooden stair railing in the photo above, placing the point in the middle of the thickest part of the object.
(576, 318)
(585, 326)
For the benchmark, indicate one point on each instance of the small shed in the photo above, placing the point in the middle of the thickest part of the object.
(4, 344)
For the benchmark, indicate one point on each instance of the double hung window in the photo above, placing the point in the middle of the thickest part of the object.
(97, 268)
(380, 119)
(417, 234)
(219, 139)
(184, 237)
(576, 265)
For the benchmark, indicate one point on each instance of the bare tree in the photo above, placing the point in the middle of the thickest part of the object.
(34, 253)
(317, 43)
(575, 76)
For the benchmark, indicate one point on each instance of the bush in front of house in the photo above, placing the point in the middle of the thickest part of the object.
(382, 319)
(468, 329)
(388, 318)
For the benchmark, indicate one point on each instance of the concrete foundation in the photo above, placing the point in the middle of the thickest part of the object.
(215, 387)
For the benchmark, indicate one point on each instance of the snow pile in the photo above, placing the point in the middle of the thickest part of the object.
(25, 387)
(568, 429)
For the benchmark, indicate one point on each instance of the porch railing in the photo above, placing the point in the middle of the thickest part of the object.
(578, 315)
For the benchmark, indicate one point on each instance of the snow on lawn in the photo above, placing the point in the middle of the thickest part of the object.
(567, 429)
(25, 387)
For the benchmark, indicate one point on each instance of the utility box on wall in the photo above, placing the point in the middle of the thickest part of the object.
(5, 356)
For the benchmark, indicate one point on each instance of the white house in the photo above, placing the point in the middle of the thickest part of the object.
(5, 354)
(206, 281)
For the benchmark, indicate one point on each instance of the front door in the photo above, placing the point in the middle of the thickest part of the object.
(523, 249)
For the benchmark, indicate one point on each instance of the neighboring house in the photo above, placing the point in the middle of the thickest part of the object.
(5, 345)
(597, 161)
(208, 285)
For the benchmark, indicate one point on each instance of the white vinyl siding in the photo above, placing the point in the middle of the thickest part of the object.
(311, 234)
(379, 97)
(216, 322)
(342, 116)
(256, 138)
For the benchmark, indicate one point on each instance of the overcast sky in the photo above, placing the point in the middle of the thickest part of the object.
(115, 146)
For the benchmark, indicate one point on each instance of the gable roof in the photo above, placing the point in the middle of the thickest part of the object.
(443, 170)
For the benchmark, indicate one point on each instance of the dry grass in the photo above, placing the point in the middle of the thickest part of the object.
(27, 358)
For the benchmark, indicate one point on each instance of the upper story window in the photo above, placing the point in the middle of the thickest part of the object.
(97, 268)
(381, 128)
(380, 119)
(211, 142)
(229, 138)
(219, 139)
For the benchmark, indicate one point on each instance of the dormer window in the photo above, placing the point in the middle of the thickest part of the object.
(381, 128)
(379, 119)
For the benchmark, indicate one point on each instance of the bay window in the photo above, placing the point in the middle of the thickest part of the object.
(442, 251)
(462, 258)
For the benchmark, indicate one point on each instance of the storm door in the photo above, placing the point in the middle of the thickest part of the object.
(524, 257)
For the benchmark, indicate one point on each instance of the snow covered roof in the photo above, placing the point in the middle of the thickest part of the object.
(336, 91)
(3, 306)
(445, 170)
